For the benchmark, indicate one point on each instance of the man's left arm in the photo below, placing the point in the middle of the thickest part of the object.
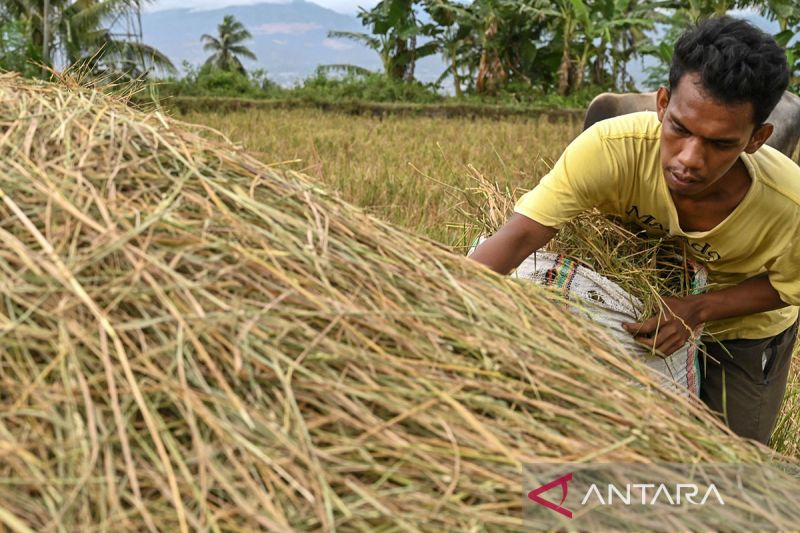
(681, 316)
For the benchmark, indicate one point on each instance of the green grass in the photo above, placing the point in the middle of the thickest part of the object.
(413, 171)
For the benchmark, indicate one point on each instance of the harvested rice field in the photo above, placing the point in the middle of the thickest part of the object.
(200, 336)
(415, 172)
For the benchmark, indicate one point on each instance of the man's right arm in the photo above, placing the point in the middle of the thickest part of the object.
(586, 176)
(515, 241)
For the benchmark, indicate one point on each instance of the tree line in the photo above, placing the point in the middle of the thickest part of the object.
(490, 47)
(555, 45)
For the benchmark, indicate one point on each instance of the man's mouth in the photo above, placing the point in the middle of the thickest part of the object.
(683, 179)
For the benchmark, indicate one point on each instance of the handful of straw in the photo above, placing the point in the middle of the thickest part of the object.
(646, 267)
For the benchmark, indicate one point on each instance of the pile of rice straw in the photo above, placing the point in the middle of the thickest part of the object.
(191, 340)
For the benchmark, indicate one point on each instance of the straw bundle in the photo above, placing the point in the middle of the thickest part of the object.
(191, 340)
(646, 267)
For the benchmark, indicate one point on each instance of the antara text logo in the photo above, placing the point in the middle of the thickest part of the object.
(646, 494)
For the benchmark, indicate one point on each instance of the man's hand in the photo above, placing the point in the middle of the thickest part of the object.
(671, 328)
(680, 317)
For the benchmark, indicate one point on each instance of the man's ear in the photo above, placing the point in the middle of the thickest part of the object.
(662, 99)
(759, 137)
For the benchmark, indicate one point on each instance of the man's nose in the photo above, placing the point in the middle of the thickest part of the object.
(692, 153)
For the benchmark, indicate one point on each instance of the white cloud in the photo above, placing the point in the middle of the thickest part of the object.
(284, 28)
(201, 5)
(348, 7)
(333, 44)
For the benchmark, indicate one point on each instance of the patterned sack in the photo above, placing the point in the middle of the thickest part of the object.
(608, 304)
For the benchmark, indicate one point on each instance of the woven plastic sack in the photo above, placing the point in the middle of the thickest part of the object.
(607, 303)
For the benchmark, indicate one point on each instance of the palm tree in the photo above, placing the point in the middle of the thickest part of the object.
(228, 46)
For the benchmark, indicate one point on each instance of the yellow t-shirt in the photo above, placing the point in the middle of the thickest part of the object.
(615, 167)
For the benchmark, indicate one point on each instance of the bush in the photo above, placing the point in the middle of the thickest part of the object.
(210, 81)
(372, 87)
(359, 87)
(523, 95)
(222, 83)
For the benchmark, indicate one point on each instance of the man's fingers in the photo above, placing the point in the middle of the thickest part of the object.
(662, 333)
(671, 342)
(645, 341)
(667, 347)
(631, 327)
(666, 342)
(642, 328)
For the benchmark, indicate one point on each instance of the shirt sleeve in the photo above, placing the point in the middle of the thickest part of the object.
(784, 275)
(586, 176)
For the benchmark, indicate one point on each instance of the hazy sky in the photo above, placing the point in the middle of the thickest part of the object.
(349, 7)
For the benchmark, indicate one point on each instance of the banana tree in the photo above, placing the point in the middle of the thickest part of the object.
(787, 14)
(597, 28)
(505, 38)
(568, 20)
(455, 39)
(682, 14)
(621, 26)
(394, 30)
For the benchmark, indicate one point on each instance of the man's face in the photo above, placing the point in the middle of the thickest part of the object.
(701, 138)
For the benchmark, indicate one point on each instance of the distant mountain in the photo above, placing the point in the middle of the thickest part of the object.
(289, 39)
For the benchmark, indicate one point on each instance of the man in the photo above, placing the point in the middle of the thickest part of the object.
(697, 170)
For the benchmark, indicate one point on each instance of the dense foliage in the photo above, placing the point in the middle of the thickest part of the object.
(517, 51)
(36, 35)
(553, 45)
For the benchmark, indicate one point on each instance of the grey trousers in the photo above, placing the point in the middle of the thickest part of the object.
(755, 373)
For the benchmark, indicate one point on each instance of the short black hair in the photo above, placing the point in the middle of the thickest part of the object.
(736, 61)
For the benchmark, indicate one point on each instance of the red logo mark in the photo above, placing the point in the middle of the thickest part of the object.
(534, 495)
